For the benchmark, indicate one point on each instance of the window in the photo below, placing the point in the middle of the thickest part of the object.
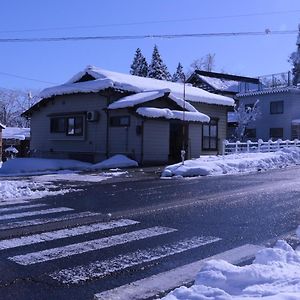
(276, 133)
(75, 125)
(67, 125)
(210, 135)
(276, 107)
(250, 133)
(120, 121)
(57, 125)
(296, 131)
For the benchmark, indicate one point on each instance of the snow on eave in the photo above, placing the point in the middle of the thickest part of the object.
(2, 126)
(152, 112)
(269, 91)
(146, 96)
(139, 84)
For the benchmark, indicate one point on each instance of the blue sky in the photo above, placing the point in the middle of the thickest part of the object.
(57, 62)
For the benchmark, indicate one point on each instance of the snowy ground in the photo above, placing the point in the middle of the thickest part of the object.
(274, 274)
(45, 173)
(234, 163)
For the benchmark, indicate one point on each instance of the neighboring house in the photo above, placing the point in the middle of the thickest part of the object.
(227, 85)
(279, 107)
(18, 138)
(1, 128)
(99, 113)
(223, 84)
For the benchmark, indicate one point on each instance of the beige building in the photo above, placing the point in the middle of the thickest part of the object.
(99, 113)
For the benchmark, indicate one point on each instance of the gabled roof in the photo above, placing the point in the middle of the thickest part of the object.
(103, 79)
(140, 98)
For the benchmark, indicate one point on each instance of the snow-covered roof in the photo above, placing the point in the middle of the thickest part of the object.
(16, 133)
(105, 79)
(296, 122)
(152, 112)
(270, 91)
(139, 98)
(2, 126)
(220, 83)
(12, 150)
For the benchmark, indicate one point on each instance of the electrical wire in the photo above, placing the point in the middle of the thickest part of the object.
(151, 22)
(26, 78)
(149, 36)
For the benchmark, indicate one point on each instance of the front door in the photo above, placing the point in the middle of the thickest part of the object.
(178, 139)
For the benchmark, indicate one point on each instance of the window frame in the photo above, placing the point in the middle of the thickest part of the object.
(79, 123)
(75, 124)
(276, 107)
(214, 122)
(276, 128)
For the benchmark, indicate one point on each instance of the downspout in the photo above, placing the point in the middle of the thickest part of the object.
(142, 143)
(107, 126)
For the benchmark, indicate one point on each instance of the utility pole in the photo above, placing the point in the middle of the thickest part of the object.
(183, 124)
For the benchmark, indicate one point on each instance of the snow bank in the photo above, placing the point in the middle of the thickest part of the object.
(274, 274)
(11, 190)
(116, 161)
(235, 163)
(26, 166)
(35, 166)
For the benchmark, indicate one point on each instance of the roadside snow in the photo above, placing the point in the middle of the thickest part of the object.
(234, 163)
(274, 274)
(25, 189)
(42, 166)
(116, 161)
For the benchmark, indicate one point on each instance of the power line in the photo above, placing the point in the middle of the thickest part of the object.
(26, 78)
(152, 22)
(149, 36)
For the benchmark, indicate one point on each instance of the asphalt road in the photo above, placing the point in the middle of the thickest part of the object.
(136, 229)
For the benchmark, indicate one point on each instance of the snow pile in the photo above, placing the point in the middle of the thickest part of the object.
(152, 112)
(234, 163)
(25, 189)
(26, 166)
(116, 161)
(36, 166)
(274, 274)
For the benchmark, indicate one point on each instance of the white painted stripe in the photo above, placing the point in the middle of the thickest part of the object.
(63, 233)
(79, 248)
(12, 202)
(105, 267)
(19, 224)
(21, 207)
(35, 213)
(166, 281)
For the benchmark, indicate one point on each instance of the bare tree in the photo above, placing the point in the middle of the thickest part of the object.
(245, 115)
(12, 104)
(205, 63)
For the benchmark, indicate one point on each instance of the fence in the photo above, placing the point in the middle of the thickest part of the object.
(259, 146)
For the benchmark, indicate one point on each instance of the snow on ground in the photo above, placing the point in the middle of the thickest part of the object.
(234, 163)
(40, 166)
(274, 274)
(11, 190)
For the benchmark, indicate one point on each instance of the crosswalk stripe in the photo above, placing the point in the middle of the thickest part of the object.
(19, 224)
(8, 209)
(35, 213)
(12, 203)
(97, 244)
(63, 233)
(105, 267)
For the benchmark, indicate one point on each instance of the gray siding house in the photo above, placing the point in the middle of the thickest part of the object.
(99, 113)
(279, 113)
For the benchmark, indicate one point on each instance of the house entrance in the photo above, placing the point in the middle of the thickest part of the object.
(178, 134)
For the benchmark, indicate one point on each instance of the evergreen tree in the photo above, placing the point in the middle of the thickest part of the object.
(139, 66)
(179, 75)
(295, 60)
(157, 68)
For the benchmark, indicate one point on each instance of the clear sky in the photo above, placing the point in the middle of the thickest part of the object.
(58, 61)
